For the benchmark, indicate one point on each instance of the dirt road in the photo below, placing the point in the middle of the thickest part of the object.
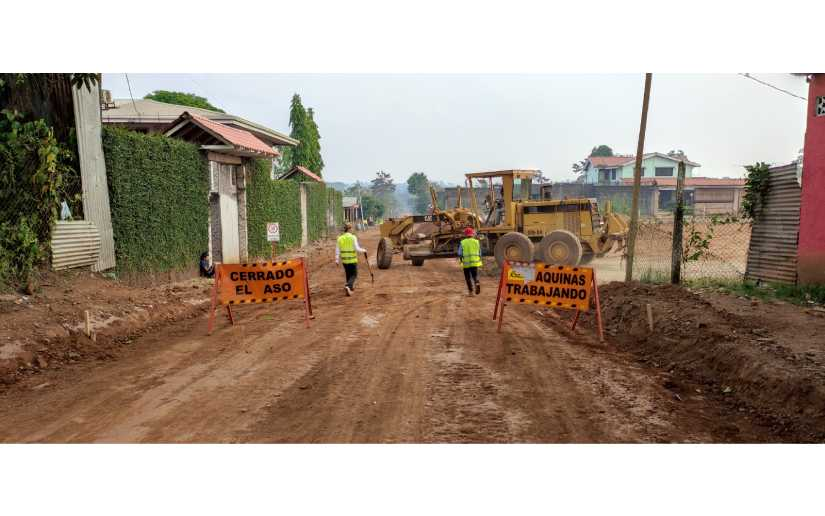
(409, 359)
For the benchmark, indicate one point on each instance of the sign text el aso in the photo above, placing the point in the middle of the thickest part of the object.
(265, 282)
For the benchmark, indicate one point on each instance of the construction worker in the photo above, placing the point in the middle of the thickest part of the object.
(346, 251)
(469, 254)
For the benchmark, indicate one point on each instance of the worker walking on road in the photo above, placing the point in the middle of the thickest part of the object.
(346, 251)
(469, 254)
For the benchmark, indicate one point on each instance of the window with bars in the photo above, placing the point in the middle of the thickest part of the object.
(664, 171)
(820, 106)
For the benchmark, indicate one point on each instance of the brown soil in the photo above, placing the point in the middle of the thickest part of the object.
(411, 358)
(766, 360)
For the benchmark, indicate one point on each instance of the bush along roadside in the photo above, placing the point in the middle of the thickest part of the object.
(270, 200)
(158, 192)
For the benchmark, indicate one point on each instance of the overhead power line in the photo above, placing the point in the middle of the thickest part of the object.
(130, 93)
(769, 85)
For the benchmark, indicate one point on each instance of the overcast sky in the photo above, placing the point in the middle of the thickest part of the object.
(446, 125)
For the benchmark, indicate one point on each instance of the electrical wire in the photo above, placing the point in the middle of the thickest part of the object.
(751, 77)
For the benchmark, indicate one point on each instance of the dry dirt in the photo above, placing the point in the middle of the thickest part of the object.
(411, 358)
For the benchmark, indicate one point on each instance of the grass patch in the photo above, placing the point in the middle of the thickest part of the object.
(804, 295)
(650, 275)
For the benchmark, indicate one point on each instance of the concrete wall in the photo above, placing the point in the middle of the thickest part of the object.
(811, 249)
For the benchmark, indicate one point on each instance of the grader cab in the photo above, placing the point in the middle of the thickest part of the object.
(509, 222)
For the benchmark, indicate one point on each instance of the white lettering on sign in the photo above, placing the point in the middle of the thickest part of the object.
(273, 232)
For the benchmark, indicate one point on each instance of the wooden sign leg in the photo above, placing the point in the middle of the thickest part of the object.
(501, 283)
(211, 323)
(598, 307)
(501, 315)
(306, 289)
(575, 319)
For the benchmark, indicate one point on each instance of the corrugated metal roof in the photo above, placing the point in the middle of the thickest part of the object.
(147, 111)
(773, 246)
(615, 161)
(75, 243)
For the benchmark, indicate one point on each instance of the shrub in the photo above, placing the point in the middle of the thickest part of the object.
(158, 192)
(271, 201)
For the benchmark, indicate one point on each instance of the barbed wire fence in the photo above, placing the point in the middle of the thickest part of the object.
(715, 248)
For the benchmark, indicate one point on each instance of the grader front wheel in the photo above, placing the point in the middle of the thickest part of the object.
(514, 247)
(560, 247)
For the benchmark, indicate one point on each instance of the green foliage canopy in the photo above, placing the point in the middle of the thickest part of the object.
(418, 187)
(182, 99)
(602, 151)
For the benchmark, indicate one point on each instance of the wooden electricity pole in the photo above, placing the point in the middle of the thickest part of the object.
(678, 223)
(637, 182)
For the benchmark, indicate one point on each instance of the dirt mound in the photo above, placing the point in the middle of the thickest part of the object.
(740, 358)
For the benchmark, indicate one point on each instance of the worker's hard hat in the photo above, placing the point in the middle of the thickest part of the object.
(469, 232)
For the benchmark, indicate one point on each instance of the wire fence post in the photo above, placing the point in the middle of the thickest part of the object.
(637, 182)
(678, 225)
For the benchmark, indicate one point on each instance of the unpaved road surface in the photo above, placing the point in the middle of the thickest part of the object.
(411, 358)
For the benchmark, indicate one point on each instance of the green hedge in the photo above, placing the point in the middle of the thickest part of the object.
(336, 202)
(271, 201)
(158, 192)
(317, 203)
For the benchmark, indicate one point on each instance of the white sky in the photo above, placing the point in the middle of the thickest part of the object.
(446, 125)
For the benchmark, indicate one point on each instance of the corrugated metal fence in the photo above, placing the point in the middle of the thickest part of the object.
(75, 243)
(775, 233)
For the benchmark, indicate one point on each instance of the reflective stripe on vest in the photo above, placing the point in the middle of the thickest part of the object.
(346, 248)
(470, 253)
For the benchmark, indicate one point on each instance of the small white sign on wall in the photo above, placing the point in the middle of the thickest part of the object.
(273, 232)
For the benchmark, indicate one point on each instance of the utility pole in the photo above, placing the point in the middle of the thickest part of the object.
(637, 182)
(678, 224)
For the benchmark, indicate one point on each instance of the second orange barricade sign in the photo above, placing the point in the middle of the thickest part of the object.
(263, 282)
(553, 286)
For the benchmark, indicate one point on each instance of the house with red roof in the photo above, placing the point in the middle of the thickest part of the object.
(614, 169)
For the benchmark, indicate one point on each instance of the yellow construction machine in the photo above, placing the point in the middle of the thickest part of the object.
(509, 223)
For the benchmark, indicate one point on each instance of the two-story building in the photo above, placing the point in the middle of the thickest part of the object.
(612, 170)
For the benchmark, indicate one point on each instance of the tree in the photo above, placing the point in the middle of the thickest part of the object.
(602, 151)
(382, 184)
(383, 189)
(182, 99)
(304, 129)
(578, 167)
(419, 187)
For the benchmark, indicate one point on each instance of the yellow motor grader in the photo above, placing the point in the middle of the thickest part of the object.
(509, 223)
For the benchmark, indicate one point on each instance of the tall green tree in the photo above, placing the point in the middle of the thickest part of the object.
(182, 99)
(383, 189)
(304, 129)
(419, 187)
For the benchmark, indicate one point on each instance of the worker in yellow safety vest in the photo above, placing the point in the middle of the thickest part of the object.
(469, 254)
(346, 252)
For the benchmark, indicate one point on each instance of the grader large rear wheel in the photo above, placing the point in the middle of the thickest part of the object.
(515, 247)
(384, 258)
(560, 247)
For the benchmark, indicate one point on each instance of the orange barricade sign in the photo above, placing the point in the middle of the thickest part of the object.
(263, 282)
(549, 285)
(554, 286)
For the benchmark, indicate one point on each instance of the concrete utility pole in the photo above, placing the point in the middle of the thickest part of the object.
(637, 182)
(678, 224)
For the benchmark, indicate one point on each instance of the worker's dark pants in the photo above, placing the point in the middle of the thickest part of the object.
(471, 276)
(351, 270)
